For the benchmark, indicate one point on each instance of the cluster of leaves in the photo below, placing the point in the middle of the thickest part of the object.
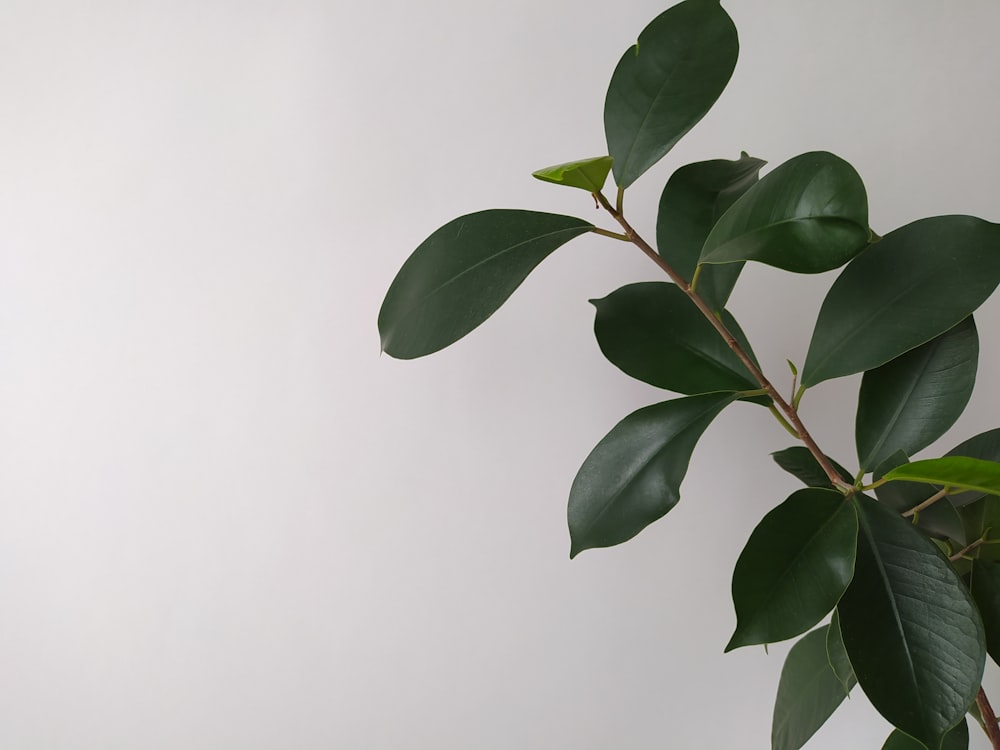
(902, 555)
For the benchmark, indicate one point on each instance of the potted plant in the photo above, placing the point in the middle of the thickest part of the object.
(897, 559)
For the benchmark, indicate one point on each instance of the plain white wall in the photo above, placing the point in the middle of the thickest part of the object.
(227, 522)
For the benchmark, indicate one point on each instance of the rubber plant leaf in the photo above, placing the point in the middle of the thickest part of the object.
(587, 174)
(956, 472)
(460, 275)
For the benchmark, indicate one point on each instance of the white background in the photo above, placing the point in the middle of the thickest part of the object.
(227, 522)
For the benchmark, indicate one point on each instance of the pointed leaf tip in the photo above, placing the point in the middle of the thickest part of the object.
(586, 174)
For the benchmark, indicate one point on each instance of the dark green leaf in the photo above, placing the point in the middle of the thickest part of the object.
(586, 174)
(462, 273)
(800, 463)
(654, 333)
(952, 471)
(694, 198)
(909, 402)
(794, 568)
(984, 582)
(956, 739)
(986, 446)
(666, 82)
(809, 215)
(840, 663)
(633, 476)
(880, 305)
(940, 520)
(910, 627)
(808, 693)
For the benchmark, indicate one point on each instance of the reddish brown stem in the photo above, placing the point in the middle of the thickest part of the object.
(989, 719)
(790, 413)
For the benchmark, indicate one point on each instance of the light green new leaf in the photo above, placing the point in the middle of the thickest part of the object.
(952, 471)
(808, 215)
(984, 583)
(633, 476)
(653, 332)
(794, 567)
(912, 285)
(956, 739)
(911, 629)
(910, 402)
(666, 82)
(695, 196)
(986, 446)
(840, 662)
(800, 463)
(586, 174)
(463, 273)
(808, 693)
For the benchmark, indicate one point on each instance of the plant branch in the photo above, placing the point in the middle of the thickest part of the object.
(966, 550)
(612, 235)
(926, 503)
(989, 718)
(787, 409)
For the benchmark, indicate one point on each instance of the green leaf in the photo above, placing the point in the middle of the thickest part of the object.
(794, 567)
(880, 305)
(654, 333)
(695, 196)
(940, 520)
(808, 215)
(840, 663)
(982, 520)
(984, 582)
(952, 471)
(808, 693)
(986, 446)
(800, 463)
(911, 401)
(633, 476)
(587, 174)
(462, 273)
(956, 739)
(910, 627)
(666, 82)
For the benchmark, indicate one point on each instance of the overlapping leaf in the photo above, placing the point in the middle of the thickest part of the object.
(911, 629)
(800, 463)
(808, 693)
(463, 273)
(984, 583)
(957, 472)
(911, 401)
(956, 739)
(794, 568)
(912, 285)
(633, 476)
(666, 82)
(985, 446)
(940, 520)
(695, 196)
(654, 333)
(808, 215)
(840, 662)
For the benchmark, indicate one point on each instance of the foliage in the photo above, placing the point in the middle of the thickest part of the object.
(909, 576)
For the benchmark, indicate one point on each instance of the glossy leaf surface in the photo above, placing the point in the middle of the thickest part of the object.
(586, 174)
(879, 306)
(633, 476)
(794, 568)
(840, 662)
(695, 196)
(952, 471)
(956, 739)
(986, 446)
(654, 333)
(808, 215)
(800, 463)
(911, 401)
(463, 273)
(984, 582)
(910, 627)
(808, 693)
(666, 82)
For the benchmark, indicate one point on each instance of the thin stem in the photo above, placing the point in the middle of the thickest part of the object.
(966, 550)
(926, 503)
(619, 200)
(609, 233)
(783, 422)
(989, 718)
(787, 410)
(798, 396)
(694, 277)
